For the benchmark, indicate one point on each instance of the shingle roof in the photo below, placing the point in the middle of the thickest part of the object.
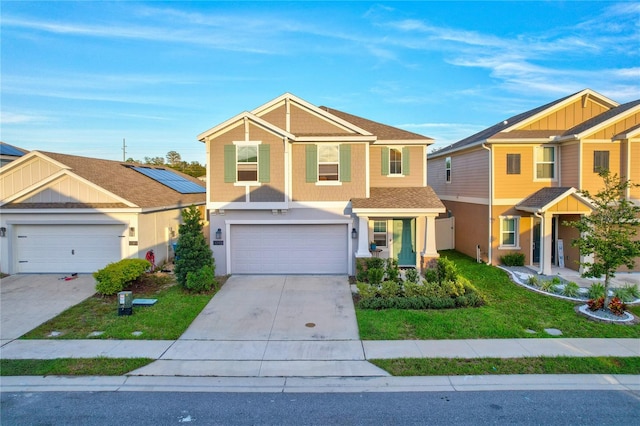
(118, 178)
(382, 131)
(601, 118)
(399, 198)
(542, 197)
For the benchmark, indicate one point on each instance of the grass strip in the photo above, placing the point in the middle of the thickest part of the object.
(71, 366)
(493, 366)
(511, 311)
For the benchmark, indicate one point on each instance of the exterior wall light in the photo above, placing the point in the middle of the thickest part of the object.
(3, 232)
(219, 234)
(354, 233)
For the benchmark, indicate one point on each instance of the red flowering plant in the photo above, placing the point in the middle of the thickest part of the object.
(617, 306)
(595, 304)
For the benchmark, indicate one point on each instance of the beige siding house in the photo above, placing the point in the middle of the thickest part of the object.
(294, 188)
(68, 214)
(512, 186)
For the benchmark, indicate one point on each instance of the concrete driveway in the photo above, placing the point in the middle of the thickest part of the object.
(266, 307)
(28, 300)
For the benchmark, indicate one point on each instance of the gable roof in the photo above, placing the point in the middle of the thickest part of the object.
(119, 179)
(508, 126)
(605, 118)
(412, 198)
(544, 198)
(384, 132)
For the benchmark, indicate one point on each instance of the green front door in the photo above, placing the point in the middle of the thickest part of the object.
(404, 241)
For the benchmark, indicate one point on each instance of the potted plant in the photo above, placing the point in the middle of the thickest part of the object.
(373, 246)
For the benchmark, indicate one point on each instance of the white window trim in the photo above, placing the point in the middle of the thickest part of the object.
(516, 245)
(535, 164)
(386, 232)
(248, 182)
(447, 160)
(401, 174)
(328, 182)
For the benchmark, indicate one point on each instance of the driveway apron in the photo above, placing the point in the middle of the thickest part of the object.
(267, 307)
(28, 300)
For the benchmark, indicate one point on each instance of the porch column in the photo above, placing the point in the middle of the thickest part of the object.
(547, 241)
(430, 250)
(363, 237)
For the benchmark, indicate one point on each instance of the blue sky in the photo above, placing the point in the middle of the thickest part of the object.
(78, 77)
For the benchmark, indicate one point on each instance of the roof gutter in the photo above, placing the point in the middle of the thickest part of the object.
(489, 250)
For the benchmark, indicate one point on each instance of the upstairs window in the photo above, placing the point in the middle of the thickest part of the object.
(513, 164)
(395, 161)
(600, 161)
(247, 163)
(546, 162)
(328, 162)
(447, 168)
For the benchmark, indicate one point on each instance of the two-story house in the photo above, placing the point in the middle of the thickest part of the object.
(297, 188)
(512, 186)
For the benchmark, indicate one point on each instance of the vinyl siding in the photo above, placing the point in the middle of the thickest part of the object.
(309, 191)
(469, 175)
(515, 186)
(524, 233)
(304, 122)
(567, 117)
(567, 234)
(570, 164)
(416, 169)
(471, 226)
(635, 169)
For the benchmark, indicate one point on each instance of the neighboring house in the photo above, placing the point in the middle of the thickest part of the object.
(512, 186)
(9, 153)
(296, 188)
(64, 214)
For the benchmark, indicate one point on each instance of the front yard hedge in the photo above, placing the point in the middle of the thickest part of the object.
(114, 277)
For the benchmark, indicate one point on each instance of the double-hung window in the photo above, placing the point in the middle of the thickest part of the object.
(328, 163)
(546, 162)
(380, 233)
(600, 161)
(513, 164)
(395, 161)
(509, 234)
(447, 168)
(247, 163)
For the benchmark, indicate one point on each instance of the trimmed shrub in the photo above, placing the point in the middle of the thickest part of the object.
(115, 276)
(366, 290)
(390, 289)
(392, 270)
(512, 259)
(201, 280)
(375, 275)
(412, 276)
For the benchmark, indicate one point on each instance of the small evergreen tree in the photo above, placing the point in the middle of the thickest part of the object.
(609, 232)
(192, 253)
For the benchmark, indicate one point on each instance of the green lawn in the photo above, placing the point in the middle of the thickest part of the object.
(166, 320)
(71, 366)
(510, 310)
(485, 366)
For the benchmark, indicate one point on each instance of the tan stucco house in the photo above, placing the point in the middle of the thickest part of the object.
(512, 186)
(297, 188)
(63, 213)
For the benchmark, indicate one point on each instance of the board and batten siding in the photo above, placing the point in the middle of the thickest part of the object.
(67, 189)
(615, 128)
(567, 117)
(23, 176)
(591, 181)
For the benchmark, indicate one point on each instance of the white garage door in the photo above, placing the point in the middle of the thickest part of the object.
(67, 248)
(289, 249)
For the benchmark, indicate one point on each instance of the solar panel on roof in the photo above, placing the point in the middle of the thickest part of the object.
(172, 180)
(10, 150)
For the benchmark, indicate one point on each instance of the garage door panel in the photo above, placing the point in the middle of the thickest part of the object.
(289, 249)
(67, 248)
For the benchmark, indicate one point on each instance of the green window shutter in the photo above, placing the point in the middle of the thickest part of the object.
(264, 163)
(229, 163)
(345, 163)
(385, 160)
(311, 154)
(405, 160)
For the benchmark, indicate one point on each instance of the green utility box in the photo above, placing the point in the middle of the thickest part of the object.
(125, 303)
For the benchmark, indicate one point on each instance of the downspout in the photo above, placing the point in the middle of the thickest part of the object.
(542, 254)
(489, 245)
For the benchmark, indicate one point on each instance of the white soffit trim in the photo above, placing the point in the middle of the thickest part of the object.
(313, 109)
(398, 212)
(238, 120)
